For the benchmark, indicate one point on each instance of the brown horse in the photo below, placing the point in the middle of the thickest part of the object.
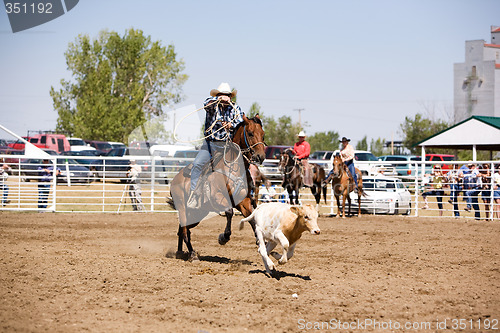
(342, 186)
(227, 187)
(292, 177)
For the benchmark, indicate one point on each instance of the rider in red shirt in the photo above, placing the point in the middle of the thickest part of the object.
(302, 149)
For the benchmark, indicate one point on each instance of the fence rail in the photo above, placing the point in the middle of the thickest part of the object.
(102, 187)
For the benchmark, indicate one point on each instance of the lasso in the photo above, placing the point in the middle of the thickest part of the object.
(209, 128)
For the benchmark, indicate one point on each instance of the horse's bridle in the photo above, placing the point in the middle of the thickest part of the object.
(294, 164)
(249, 148)
(339, 175)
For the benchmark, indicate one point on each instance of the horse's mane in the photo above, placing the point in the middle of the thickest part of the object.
(289, 152)
(254, 119)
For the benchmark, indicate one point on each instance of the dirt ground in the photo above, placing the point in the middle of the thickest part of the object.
(118, 273)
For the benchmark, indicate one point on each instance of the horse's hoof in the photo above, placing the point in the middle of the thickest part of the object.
(179, 255)
(222, 239)
(193, 256)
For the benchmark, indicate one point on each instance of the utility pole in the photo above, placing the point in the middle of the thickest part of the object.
(300, 120)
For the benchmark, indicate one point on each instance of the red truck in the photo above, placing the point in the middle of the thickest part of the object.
(57, 142)
(441, 158)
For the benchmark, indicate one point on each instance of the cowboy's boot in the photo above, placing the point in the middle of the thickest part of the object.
(328, 179)
(351, 178)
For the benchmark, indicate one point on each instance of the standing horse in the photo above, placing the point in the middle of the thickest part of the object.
(342, 186)
(292, 177)
(224, 185)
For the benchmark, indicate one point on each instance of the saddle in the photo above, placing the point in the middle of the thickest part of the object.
(351, 177)
(307, 174)
(204, 186)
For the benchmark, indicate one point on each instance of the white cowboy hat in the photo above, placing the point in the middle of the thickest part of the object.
(301, 134)
(223, 88)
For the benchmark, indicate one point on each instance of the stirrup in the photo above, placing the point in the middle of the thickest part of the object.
(193, 200)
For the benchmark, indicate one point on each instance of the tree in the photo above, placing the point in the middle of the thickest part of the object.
(419, 128)
(377, 147)
(278, 132)
(118, 84)
(254, 110)
(324, 141)
(281, 131)
(363, 144)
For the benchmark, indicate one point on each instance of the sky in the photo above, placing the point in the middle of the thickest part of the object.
(355, 67)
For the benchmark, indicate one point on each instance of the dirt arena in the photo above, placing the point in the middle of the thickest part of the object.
(117, 273)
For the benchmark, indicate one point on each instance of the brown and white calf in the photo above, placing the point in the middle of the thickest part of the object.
(284, 224)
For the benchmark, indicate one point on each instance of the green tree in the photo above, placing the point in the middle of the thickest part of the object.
(377, 147)
(118, 84)
(280, 132)
(363, 144)
(324, 141)
(419, 128)
(253, 110)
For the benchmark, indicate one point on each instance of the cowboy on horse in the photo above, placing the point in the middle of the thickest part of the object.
(347, 156)
(218, 180)
(222, 117)
(302, 149)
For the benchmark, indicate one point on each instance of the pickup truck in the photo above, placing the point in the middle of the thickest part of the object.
(57, 142)
(365, 161)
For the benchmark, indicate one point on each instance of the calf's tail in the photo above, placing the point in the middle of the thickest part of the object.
(248, 218)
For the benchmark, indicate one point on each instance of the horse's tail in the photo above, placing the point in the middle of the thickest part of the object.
(170, 202)
(248, 218)
(362, 192)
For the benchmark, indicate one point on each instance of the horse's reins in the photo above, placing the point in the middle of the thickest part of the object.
(341, 173)
(249, 148)
(293, 168)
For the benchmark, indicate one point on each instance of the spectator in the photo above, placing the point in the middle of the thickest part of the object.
(46, 172)
(134, 190)
(437, 182)
(455, 180)
(464, 171)
(496, 194)
(5, 171)
(133, 172)
(268, 195)
(485, 174)
(472, 186)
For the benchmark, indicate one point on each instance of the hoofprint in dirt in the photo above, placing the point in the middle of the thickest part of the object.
(109, 272)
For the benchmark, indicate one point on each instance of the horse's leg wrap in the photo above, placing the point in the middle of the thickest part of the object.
(226, 236)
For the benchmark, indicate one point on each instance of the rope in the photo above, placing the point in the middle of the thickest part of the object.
(293, 168)
(226, 162)
(209, 128)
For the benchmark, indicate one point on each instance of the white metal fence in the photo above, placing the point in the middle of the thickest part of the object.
(103, 187)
